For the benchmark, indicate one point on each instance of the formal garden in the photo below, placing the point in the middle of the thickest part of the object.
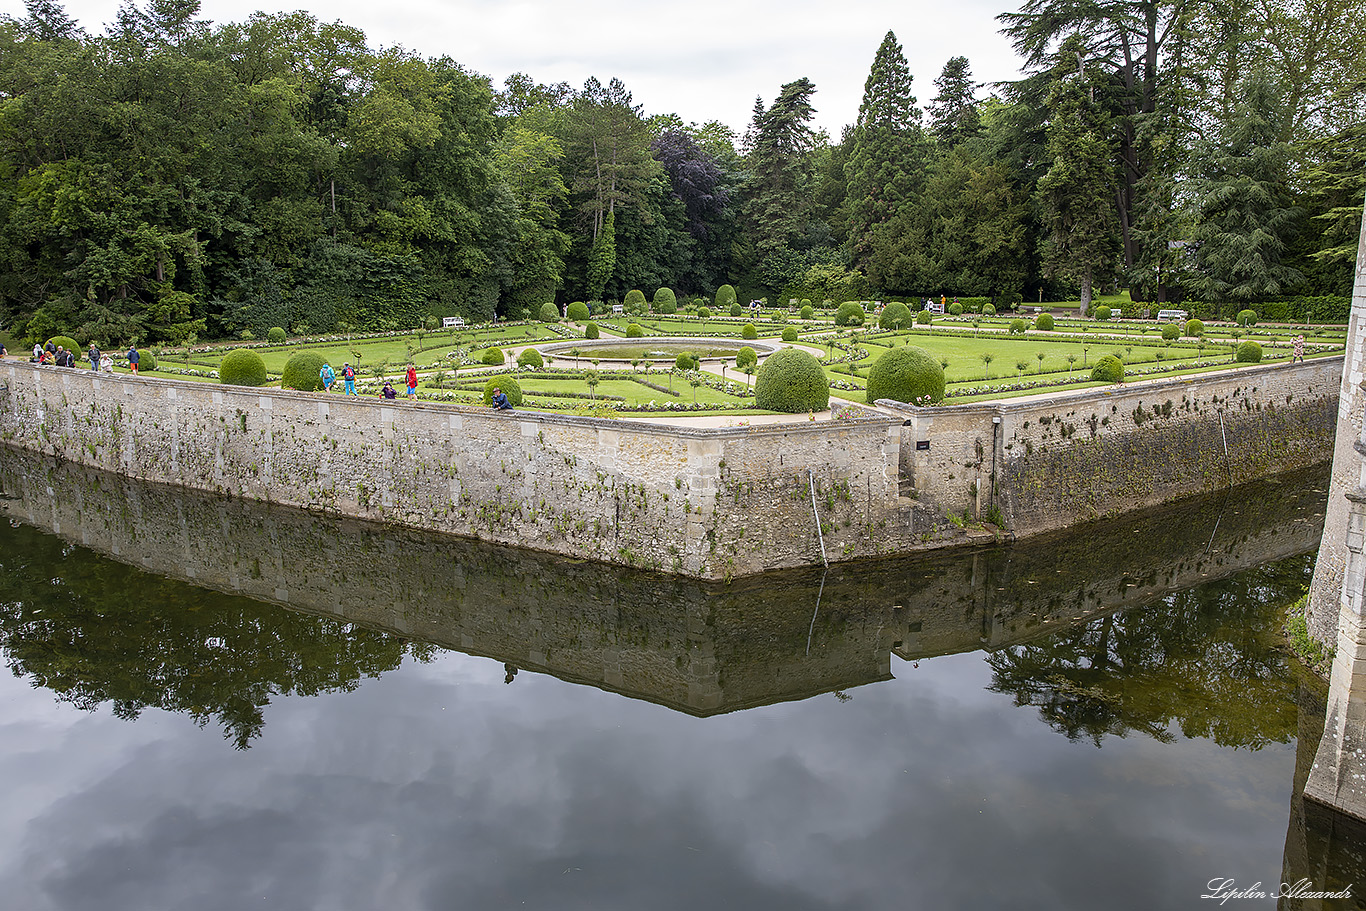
(739, 362)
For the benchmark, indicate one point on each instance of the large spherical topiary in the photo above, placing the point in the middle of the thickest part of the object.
(1102, 313)
(509, 387)
(1247, 317)
(894, 316)
(1194, 328)
(791, 381)
(549, 313)
(789, 334)
(749, 332)
(850, 313)
(303, 371)
(493, 357)
(725, 296)
(907, 374)
(147, 361)
(578, 311)
(666, 301)
(633, 330)
(746, 357)
(1171, 332)
(276, 335)
(1249, 352)
(530, 357)
(1044, 322)
(808, 311)
(242, 368)
(63, 341)
(1108, 369)
(737, 310)
(635, 301)
(590, 330)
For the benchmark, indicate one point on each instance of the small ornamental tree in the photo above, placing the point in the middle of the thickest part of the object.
(1017, 326)
(590, 330)
(1171, 332)
(276, 335)
(509, 387)
(530, 357)
(791, 381)
(493, 357)
(1247, 318)
(808, 312)
(633, 330)
(1249, 352)
(908, 374)
(242, 368)
(666, 301)
(725, 296)
(894, 316)
(746, 357)
(789, 334)
(1194, 328)
(634, 302)
(303, 371)
(549, 314)
(749, 332)
(1044, 322)
(850, 313)
(1102, 313)
(1108, 369)
(578, 311)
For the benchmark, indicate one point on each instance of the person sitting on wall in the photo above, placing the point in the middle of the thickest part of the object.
(500, 401)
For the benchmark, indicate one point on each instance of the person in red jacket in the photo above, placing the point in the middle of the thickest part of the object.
(412, 382)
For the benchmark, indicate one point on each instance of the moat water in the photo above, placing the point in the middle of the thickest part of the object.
(221, 705)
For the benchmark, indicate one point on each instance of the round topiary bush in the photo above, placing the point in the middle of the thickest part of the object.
(850, 313)
(549, 313)
(1247, 318)
(988, 310)
(1249, 352)
(749, 332)
(955, 309)
(808, 312)
(908, 375)
(746, 357)
(1108, 369)
(1194, 328)
(737, 310)
(492, 357)
(590, 330)
(633, 330)
(1044, 322)
(1171, 332)
(789, 334)
(791, 381)
(666, 301)
(276, 335)
(1102, 313)
(303, 371)
(924, 318)
(63, 341)
(704, 312)
(725, 296)
(1017, 326)
(147, 361)
(578, 311)
(894, 316)
(241, 368)
(634, 302)
(509, 387)
(530, 357)
(687, 361)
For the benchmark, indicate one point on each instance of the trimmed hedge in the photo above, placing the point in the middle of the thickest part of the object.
(988, 309)
(1171, 332)
(493, 357)
(633, 330)
(791, 381)
(303, 372)
(276, 335)
(530, 357)
(704, 312)
(147, 361)
(1108, 369)
(242, 367)
(789, 334)
(1194, 328)
(746, 357)
(578, 311)
(1249, 352)
(955, 309)
(850, 313)
(894, 316)
(748, 332)
(666, 301)
(590, 330)
(1044, 322)
(737, 310)
(924, 318)
(549, 312)
(808, 312)
(908, 374)
(634, 302)
(509, 387)
(65, 341)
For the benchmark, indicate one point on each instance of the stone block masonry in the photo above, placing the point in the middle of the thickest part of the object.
(711, 503)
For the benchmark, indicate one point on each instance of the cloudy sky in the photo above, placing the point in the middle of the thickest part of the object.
(704, 60)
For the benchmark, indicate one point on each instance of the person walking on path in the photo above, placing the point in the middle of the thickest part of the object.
(94, 355)
(349, 378)
(133, 358)
(328, 376)
(412, 381)
(1299, 349)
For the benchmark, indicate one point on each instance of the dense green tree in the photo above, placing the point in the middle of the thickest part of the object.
(953, 112)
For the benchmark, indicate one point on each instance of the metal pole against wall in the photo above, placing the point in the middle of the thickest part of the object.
(811, 479)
